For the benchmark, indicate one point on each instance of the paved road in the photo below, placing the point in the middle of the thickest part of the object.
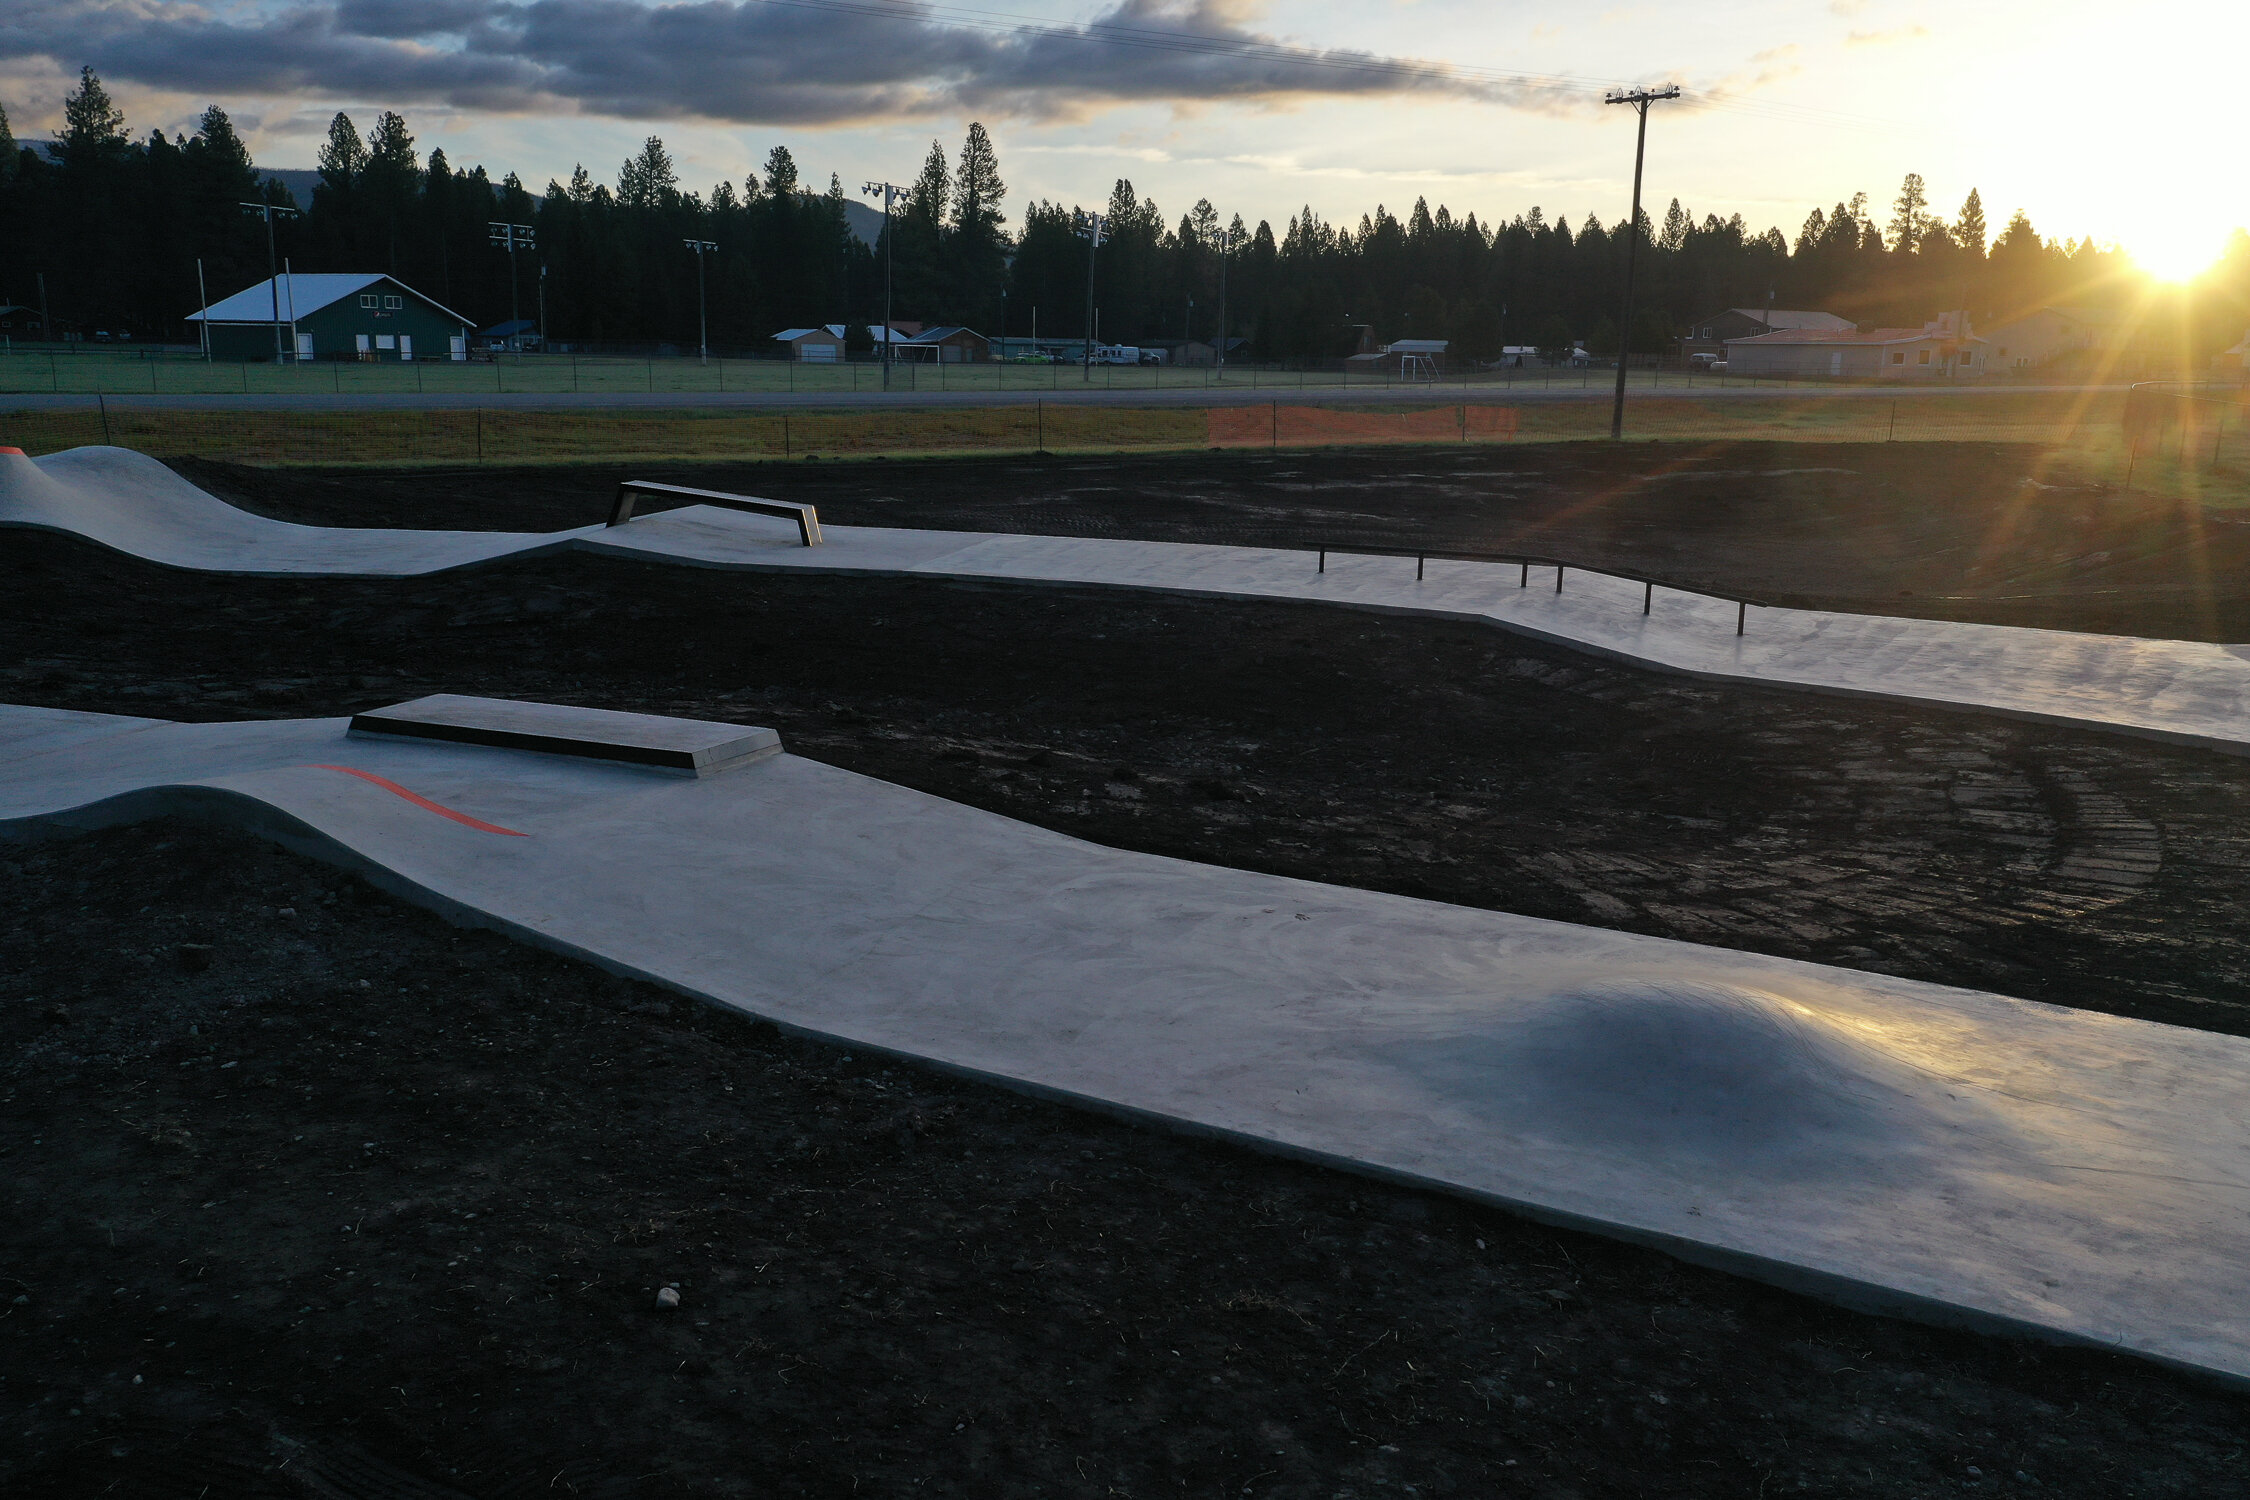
(1425, 395)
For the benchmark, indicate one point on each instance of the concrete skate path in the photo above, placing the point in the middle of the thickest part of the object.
(1892, 1145)
(2187, 692)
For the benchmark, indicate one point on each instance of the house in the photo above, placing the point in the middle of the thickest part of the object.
(2061, 337)
(513, 336)
(1406, 359)
(947, 344)
(1709, 336)
(1941, 349)
(821, 346)
(334, 316)
(18, 321)
(1185, 352)
(2235, 361)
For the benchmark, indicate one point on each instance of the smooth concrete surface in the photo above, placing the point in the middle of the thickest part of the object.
(132, 503)
(2187, 692)
(694, 747)
(1889, 1144)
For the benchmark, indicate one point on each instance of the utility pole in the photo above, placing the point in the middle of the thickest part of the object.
(1640, 99)
(203, 295)
(702, 316)
(268, 212)
(890, 193)
(1090, 228)
(1226, 243)
(511, 238)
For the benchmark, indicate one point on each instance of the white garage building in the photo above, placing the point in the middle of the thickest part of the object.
(1944, 349)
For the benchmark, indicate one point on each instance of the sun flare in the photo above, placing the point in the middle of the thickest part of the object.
(2181, 259)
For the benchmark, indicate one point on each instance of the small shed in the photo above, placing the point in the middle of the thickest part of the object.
(18, 321)
(334, 316)
(823, 345)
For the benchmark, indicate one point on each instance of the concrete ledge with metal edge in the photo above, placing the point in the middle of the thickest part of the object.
(806, 517)
(683, 747)
(1905, 1147)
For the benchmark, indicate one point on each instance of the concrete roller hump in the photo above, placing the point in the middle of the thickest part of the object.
(2185, 692)
(1904, 1147)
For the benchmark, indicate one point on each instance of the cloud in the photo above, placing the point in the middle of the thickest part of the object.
(798, 62)
(1884, 38)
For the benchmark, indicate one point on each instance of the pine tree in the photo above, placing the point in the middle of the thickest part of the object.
(93, 126)
(1910, 216)
(223, 150)
(1676, 220)
(1814, 233)
(926, 201)
(581, 188)
(647, 179)
(1968, 226)
(977, 188)
(8, 149)
(390, 150)
(342, 157)
(781, 173)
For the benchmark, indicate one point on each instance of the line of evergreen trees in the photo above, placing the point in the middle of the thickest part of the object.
(109, 228)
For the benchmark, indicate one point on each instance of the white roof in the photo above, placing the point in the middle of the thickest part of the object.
(791, 335)
(301, 293)
(1781, 317)
(1418, 346)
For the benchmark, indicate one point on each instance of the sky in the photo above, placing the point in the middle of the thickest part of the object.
(2097, 119)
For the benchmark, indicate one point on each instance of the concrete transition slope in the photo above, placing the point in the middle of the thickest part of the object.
(2183, 691)
(1900, 1146)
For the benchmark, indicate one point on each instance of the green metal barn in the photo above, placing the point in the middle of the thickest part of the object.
(330, 316)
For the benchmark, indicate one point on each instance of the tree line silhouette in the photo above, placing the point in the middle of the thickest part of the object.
(104, 230)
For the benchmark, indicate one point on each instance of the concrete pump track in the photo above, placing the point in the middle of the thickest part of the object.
(1893, 1145)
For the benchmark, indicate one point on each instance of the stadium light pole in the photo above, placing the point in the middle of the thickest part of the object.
(1640, 99)
(511, 238)
(890, 193)
(702, 315)
(1090, 228)
(267, 211)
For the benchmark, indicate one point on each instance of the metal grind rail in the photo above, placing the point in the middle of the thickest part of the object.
(1528, 561)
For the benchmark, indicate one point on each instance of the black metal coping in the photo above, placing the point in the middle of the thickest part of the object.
(806, 517)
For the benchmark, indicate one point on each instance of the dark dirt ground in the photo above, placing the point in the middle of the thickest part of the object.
(912, 1285)
(1993, 532)
(372, 1207)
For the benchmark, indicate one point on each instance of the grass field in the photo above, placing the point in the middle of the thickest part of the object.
(137, 372)
(2082, 435)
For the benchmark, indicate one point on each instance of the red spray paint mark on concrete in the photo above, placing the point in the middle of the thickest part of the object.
(425, 803)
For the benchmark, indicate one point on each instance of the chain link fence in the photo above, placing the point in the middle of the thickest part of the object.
(516, 435)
